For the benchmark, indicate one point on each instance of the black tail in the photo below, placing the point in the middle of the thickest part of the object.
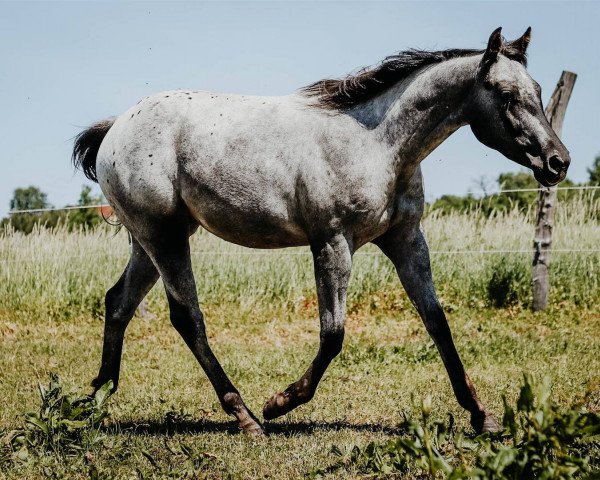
(86, 147)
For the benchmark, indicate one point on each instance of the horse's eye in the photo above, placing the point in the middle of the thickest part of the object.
(507, 97)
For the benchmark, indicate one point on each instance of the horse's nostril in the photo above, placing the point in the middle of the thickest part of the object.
(556, 164)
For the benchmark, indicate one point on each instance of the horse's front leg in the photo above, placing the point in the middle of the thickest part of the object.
(407, 249)
(332, 262)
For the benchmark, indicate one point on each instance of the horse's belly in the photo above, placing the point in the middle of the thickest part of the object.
(259, 238)
(254, 235)
(250, 226)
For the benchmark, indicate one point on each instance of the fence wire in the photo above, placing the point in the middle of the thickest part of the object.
(281, 252)
(359, 254)
(106, 205)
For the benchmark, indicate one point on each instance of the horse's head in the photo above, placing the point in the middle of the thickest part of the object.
(505, 111)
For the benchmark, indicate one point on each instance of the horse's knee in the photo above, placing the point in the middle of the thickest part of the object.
(178, 317)
(332, 340)
(118, 312)
(187, 321)
(112, 298)
(436, 323)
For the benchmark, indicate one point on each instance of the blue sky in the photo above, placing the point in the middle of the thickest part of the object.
(65, 65)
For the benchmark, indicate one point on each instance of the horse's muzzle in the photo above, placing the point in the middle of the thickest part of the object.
(553, 170)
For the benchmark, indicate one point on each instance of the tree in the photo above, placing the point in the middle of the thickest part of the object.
(85, 217)
(594, 171)
(493, 202)
(28, 198)
(31, 198)
(505, 201)
(455, 203)
(516, 181)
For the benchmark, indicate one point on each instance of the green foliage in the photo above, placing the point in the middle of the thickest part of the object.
(500, 203)
(519, 200)
(28, 198)
(33, 198)
(64, 273)
(455, 203)
(189, 462)
(508, 283)
(421, 450)
(493, 203)
(539, 441)
(594, 171)
(64, 423)
(88, 217)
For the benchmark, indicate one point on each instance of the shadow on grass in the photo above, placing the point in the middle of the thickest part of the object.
(286, 429)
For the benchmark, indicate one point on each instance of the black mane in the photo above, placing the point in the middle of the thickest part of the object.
(341, 94)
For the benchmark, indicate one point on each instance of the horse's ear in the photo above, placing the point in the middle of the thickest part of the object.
(494, 46)
(522, 42)
(518, 48)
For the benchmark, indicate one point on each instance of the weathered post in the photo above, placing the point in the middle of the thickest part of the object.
(542, 242)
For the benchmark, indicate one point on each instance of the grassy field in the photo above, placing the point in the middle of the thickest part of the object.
(262, 322)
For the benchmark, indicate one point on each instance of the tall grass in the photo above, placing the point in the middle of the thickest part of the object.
(61, 273)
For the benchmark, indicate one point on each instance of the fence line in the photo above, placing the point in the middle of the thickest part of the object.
(103, 205)
(56, 209)
(283, 252)
(515, 190)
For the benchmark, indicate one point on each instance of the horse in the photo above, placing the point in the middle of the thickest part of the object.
(333, 166)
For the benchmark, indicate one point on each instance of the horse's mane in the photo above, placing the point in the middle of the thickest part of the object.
(341, 94)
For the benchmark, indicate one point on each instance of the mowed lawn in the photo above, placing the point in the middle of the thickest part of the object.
(387, 367)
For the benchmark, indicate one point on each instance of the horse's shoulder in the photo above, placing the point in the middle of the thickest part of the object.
(410, 199)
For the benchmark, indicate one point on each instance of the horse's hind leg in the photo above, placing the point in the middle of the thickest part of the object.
(333, 262)
(121, 301)
(407, 249)
(168, 246)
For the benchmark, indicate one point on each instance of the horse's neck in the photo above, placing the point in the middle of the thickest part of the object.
(419, 113)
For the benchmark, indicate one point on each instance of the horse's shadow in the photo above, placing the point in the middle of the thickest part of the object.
(286, 428)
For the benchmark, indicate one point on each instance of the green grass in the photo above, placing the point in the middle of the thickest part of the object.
(62, 273)
(262, 322)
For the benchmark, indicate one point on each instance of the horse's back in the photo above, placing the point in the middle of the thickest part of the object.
(257, 171)
(219, 156)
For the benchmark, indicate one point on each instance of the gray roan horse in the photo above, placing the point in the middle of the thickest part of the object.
(334, 166)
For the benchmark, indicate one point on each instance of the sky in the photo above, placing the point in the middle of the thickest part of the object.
(68, 64)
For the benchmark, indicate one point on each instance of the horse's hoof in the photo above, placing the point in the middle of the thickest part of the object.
(97, 383)
(234, 405)
(490, 424)
(252, 428)
(484, 423)
(277, 405)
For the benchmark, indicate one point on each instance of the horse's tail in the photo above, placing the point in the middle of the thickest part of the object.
(87, 144)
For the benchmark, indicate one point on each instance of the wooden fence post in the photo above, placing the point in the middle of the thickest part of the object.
(542, 242)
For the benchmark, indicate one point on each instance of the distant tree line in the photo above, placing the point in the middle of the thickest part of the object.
(32, 198)
(489, 203)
